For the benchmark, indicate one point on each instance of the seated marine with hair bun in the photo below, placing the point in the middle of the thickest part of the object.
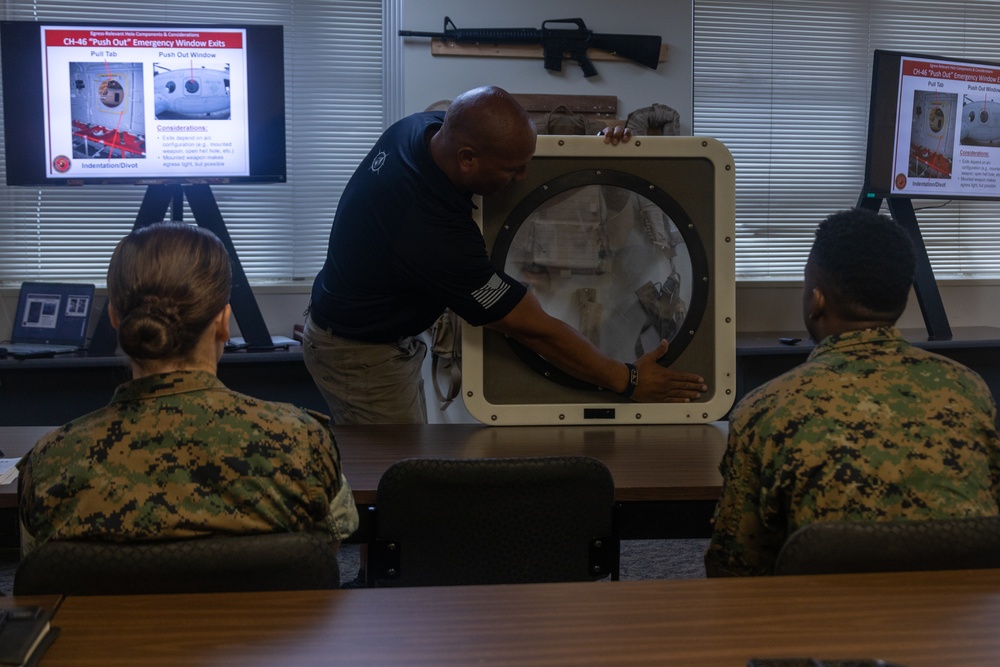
(176, 454)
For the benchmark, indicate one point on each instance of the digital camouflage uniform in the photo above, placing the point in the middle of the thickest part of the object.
(868, 428)
(179, 455)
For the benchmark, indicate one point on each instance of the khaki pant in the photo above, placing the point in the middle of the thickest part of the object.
(367, 383)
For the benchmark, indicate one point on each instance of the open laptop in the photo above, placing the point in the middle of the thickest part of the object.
(51, 318)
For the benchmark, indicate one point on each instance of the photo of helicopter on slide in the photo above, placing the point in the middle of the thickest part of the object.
(980, 122)
(191, 92)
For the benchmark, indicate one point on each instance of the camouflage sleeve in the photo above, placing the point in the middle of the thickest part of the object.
(741, 545)
(994, 453)
(343, 518)
(26, 493)
(986, 423)
(341, 514)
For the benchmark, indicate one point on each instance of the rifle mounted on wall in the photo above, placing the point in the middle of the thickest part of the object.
(556, 43)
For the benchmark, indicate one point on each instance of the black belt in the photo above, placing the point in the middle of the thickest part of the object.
(321, 321)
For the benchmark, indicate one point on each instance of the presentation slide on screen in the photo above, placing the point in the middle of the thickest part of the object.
(145, 103)
(948, 129)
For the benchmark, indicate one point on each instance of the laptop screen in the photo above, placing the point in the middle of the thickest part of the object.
(53, 314)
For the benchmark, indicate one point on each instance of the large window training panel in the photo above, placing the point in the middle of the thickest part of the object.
(628, 244)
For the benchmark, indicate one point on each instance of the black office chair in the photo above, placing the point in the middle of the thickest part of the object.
(278, 561)
(493, 521)
(891, 546)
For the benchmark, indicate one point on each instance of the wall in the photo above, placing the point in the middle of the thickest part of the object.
(778, 306)
(428, 78)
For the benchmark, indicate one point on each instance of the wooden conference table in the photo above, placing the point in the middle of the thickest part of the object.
(666, 476)
(925, 619)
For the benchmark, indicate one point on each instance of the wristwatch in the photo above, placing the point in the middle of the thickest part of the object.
(633, 380)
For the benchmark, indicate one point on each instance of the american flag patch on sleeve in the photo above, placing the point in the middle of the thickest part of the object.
(491, 292)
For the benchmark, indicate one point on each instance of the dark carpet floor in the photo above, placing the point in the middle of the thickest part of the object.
(640, 559)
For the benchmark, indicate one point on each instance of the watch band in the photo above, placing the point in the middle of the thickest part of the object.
(633, 380)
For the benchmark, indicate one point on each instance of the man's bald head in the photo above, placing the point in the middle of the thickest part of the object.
(486, 141)
(488, 118)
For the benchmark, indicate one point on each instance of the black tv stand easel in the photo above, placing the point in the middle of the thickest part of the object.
(924, 285)
(157, 200)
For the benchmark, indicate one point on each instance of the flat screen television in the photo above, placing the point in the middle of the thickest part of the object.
(142, 103)
(933, 128)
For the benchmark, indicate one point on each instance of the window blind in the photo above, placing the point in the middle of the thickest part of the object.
(785, 85)
(334, 113)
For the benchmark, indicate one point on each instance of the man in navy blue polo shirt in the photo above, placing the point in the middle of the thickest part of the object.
(404, 246)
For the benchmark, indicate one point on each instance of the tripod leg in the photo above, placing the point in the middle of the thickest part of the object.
(251, 322)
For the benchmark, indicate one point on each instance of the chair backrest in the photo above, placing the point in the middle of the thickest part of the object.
(891, 546)
(278, 561)
(493, 521)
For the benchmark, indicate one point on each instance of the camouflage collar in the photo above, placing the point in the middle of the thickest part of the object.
(166, 384)
(858, 337)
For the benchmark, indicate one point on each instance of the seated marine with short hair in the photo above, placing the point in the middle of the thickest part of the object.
(868, 428)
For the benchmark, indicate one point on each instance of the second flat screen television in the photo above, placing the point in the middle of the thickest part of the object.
(107, 103)
(933, 128)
